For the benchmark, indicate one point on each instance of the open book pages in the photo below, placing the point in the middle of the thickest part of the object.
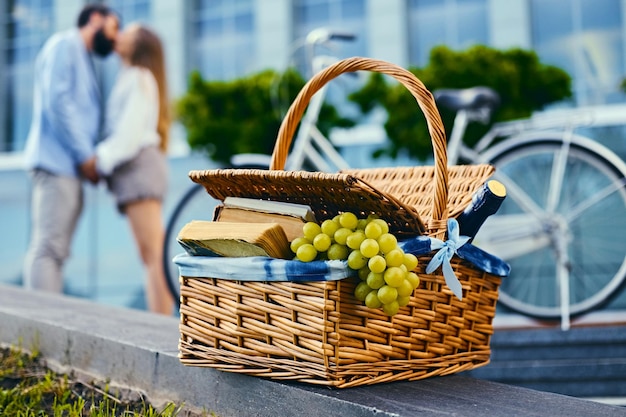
(234, 239)
(276, 207)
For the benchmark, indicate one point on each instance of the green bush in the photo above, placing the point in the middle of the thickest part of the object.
(523, 82)
(224, 118)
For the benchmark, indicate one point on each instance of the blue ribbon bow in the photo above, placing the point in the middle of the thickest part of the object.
(447, 249)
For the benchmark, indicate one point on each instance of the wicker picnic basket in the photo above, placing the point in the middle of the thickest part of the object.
(318, 332)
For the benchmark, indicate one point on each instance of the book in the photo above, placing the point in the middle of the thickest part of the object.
(291, 217)
(267, 206)
(210, 238)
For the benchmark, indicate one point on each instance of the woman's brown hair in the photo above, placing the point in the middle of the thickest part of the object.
(148, 53)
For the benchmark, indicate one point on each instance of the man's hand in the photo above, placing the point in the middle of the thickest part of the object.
(88, 169)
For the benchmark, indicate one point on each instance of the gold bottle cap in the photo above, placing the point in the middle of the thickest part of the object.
(497, 188)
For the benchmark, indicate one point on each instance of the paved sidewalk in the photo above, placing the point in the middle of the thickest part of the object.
(138, 350)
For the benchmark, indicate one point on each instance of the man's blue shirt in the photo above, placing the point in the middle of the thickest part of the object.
(66, 106)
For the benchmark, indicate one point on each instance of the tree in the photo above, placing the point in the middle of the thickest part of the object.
(224, 118)
(523, 82)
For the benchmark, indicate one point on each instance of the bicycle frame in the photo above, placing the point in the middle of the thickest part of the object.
(559, 126)
(562, 120)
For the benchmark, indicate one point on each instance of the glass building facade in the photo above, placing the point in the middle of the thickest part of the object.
(26, 24)
(456, 23)
(222, 37)
(225, 39)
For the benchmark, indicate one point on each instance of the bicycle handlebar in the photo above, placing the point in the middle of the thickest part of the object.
(342, 36)
(321, 35)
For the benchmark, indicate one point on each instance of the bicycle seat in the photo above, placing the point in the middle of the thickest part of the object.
(467, 98)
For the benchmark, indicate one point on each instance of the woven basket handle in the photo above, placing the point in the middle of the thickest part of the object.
(412, 83)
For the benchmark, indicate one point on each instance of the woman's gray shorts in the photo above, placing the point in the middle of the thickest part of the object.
(143, 177)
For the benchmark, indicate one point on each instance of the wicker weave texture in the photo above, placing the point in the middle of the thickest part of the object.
(414, 186)
(319, 333)
(326, 194)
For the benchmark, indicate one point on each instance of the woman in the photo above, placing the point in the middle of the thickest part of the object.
(132, 155)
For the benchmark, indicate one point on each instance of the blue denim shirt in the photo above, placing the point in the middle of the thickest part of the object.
(66, 106)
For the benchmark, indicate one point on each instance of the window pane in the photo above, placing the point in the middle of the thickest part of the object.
(209, 27)
(353, 8)
(142, 10)
(471, 23)
(132, 10)
(209, 4)
(600, 13)
(427, 28)
(584, 38)
(458, 24)
(551, 20)
(313, 14)
(222, 38)
(244, 23)
(602, 47)
(552, 27)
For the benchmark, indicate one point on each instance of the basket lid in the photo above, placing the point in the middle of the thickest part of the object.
(326, 194)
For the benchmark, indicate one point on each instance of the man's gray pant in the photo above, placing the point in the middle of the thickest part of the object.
(57, 202)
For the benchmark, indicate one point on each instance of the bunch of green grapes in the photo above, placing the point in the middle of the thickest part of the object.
(386, 272)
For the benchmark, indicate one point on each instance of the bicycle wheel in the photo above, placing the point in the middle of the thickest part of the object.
(195, 204)
(557, 226)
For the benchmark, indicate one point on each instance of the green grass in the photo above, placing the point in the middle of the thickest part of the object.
(29, 389)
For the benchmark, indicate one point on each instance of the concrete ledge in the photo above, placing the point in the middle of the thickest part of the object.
(138, 350)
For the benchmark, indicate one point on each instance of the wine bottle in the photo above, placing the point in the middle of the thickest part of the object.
(485, 202)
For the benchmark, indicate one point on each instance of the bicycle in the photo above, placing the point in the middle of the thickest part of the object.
(311, 149)
(566, 195)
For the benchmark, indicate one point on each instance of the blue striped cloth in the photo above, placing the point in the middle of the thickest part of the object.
(269, 269)
(260, 268)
